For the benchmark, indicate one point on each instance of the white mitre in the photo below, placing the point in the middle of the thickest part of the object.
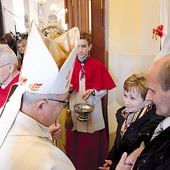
(46, 69)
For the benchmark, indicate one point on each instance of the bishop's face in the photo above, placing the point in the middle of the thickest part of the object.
(49, 109)
(83, 48)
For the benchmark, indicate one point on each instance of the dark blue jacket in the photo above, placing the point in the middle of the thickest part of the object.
(140, 130)
(156, 155)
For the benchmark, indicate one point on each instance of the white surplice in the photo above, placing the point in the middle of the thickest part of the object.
(96, 120)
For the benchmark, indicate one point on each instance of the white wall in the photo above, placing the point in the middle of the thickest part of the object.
(16, 9)
(14, 15)
(8, 17)
(19, 12)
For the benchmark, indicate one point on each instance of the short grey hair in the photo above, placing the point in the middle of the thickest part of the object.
(30, 98)
(8, 55)
(164, 76)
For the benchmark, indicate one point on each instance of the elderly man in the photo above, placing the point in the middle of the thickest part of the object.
(156, 154)
(35, 104)
(9, 74)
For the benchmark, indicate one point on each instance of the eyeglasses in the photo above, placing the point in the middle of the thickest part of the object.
(65, 103)
(4, 65)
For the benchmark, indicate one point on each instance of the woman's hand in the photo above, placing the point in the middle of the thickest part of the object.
(107, 165)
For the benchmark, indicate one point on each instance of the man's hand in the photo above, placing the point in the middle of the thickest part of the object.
(55, 131)
(87, 94)
(131, 159)
(71, 88)
(127, 162)
(121, 165)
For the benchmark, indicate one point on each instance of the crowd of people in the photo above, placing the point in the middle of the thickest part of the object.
(17, 43)
(142, 137)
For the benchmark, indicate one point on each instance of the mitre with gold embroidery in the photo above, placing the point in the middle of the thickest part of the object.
(46, 69)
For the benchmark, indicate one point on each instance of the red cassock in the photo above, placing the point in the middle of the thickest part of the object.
(4, 92)
(87, 151)
(97, 76)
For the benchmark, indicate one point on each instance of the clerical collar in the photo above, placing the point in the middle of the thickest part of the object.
(84, 59)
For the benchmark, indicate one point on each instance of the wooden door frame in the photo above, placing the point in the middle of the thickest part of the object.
(98, 40)
(1, 20)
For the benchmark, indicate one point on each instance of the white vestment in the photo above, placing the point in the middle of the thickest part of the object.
(28, 147)
(96, 120)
